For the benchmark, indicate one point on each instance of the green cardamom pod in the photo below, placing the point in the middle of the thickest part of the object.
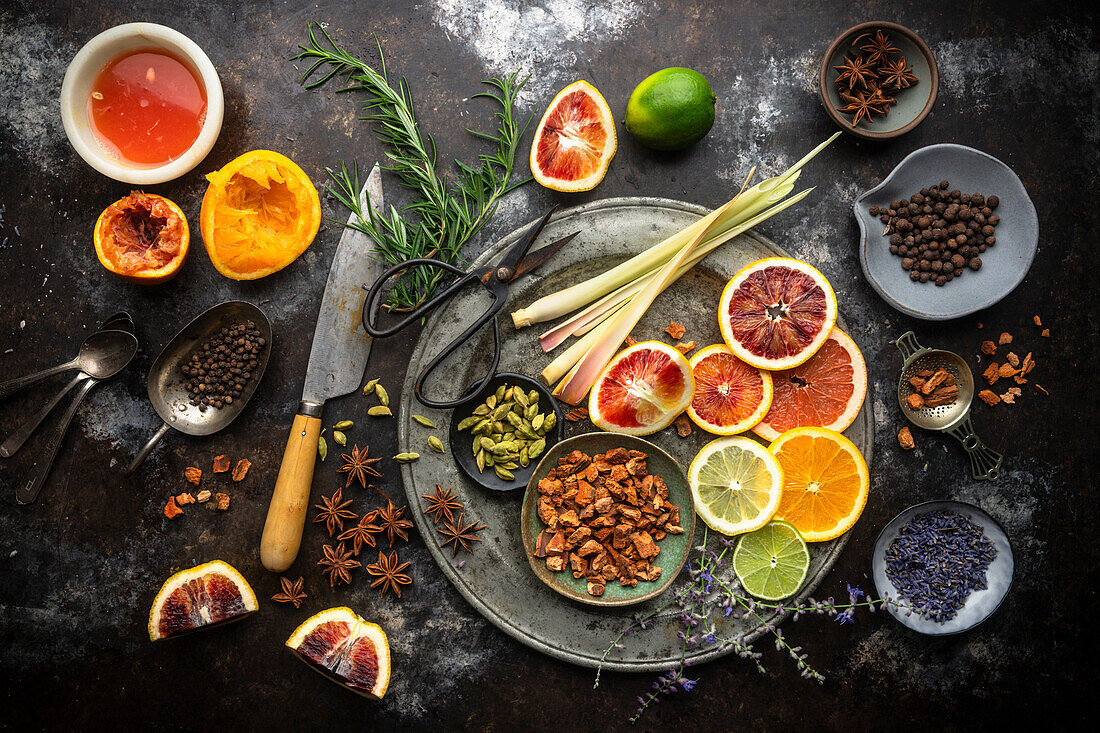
(504, 473)
(343, 425)
(530, 412)
(501, 448)
(481, 410)
(525, 458)
(498, 427)
(550, 422)
(491, 402)
(535, 449)
(514, 419)
(527, 433)
(369, 386)
(484, 426)
(480, 458)
(521, 398)
(322, 448)
(486, 443)
(533, 396)
(339, 437)
(466, 424)
(489, 460)
(435, 444)
(383, 395)
(510, 464)
(501, 411)
(424, 421)
(536, 423)
(500, 392)
(379, 411)
(406, 457)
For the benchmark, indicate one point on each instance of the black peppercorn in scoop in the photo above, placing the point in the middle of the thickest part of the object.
(172, 390)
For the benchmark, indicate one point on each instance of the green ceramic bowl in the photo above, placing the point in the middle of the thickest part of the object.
(674, 547)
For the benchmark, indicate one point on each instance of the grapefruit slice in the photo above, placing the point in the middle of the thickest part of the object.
(642, 390)
(345, 649)
(736, 484)
(776, 313)
(730, 396)
(200, 597)
(825, 482)
(575, 140)
(826, 391)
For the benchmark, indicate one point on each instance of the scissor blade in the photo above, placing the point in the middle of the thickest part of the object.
(519, 250)
(541, 255)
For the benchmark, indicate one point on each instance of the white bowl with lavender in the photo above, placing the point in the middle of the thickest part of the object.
(979, 604)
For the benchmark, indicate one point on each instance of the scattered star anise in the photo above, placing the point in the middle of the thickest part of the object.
(362, 533)
(391, 520)
(358, 466)
(291, 593)
(333, 512)
(878, 48)
(865, 104)
(389, 570)
(442, 504)
(857, 72)
(338, 563)
(460, 534)
(897, 75)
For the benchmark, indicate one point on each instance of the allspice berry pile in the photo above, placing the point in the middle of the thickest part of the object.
(219, 369)
(940, 232)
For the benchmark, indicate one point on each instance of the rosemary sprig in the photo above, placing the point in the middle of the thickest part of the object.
(446, 212)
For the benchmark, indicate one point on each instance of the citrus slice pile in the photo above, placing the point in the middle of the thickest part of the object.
(772, 562)
(201, 597)
(346, 649)
(730, 396)
(825, 391)
(142, 238)
(736, 484)
(825, 482)
(259, 213)
(575, 140)
(776, 313)
(642, 390)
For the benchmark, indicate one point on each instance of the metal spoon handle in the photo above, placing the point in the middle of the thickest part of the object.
(985, 463)
(147, 448)
(14, 385)
(15, 440)
(28, 492)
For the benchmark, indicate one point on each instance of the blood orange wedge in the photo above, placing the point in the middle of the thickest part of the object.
(730, 396)
(776, 313)
(642, 390)
(575, 140)
(198, 598)
(345, 649)
(825, 391)
(825, 482)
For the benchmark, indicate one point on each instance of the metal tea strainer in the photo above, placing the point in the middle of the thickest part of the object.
(952, 418)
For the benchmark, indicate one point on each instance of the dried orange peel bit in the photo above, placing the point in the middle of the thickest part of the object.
(259, 213)
(142, 238)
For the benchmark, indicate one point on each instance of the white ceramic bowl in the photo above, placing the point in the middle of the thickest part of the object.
(100, 51)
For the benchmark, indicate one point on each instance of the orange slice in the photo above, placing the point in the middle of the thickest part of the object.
(730, 396)
(825, 482)
(575, 140)
(200, 597)
(776, 313)
(345, 649)
(642, 390)
(826, 391)
(258, 214)
(142, 238)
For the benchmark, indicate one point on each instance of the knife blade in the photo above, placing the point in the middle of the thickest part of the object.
(337, 360)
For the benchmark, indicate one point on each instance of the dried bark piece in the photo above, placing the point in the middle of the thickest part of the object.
(1005, 338)
(171, 510)
(915, 401)
(203, 497)
(925, 373)
(1037, 321)
(241, 469)
(1040, 388)
(683, 425)
(1019, 379)
(1006, 370)
(184, 499)
(905, 439)
(1046, 333)
(934, 381)
(989, 348)
(1009, 397)
(577, 413)
(685, 347)
(916, 383)
(988, 397)
(221, 464)
(1013, 359)
(630, 340)
(991, 373)
(1028, 364)
(221, 502)
(192, 474)
(675, 330)
(942, 396)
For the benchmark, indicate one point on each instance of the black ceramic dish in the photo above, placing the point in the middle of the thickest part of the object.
(980, 605)
(461, 440)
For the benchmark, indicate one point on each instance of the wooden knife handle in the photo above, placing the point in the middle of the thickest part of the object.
(286, 516)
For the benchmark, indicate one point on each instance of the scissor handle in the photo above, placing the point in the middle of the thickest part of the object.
(371, 305)
(476, 388)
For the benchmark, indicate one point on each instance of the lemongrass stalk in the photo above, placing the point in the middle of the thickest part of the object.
(569, 358)
(580, 380)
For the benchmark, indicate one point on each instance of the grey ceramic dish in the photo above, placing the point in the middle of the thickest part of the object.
(913, 103)
(1004, 265)
(979, 605)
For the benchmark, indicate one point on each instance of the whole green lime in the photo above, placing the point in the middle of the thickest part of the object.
(671, 109)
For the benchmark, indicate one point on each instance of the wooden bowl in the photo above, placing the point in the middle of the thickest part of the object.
(913, 104)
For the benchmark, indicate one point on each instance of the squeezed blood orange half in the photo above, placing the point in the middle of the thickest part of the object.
(346, 649)
(575, 140)
(642, 390)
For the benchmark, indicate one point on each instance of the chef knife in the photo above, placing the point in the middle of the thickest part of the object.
(336, 364)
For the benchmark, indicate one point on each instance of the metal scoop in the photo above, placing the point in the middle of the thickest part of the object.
(952, 418)
(168, 387)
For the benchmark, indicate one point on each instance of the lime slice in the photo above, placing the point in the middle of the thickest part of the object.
(772, 562)
(736, 484)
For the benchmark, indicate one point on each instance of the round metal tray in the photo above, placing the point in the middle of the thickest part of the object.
(496, 578)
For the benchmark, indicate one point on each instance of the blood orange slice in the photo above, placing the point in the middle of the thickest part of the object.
(201, 597)
(776, 313)
(345, 649)
(575, 140)
(730, 396)
(825, 391)
(642, 390)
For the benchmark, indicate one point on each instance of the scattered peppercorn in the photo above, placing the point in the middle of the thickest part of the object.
(218, 371)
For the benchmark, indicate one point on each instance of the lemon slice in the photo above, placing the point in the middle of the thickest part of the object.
(736, 484)
(772, 562)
